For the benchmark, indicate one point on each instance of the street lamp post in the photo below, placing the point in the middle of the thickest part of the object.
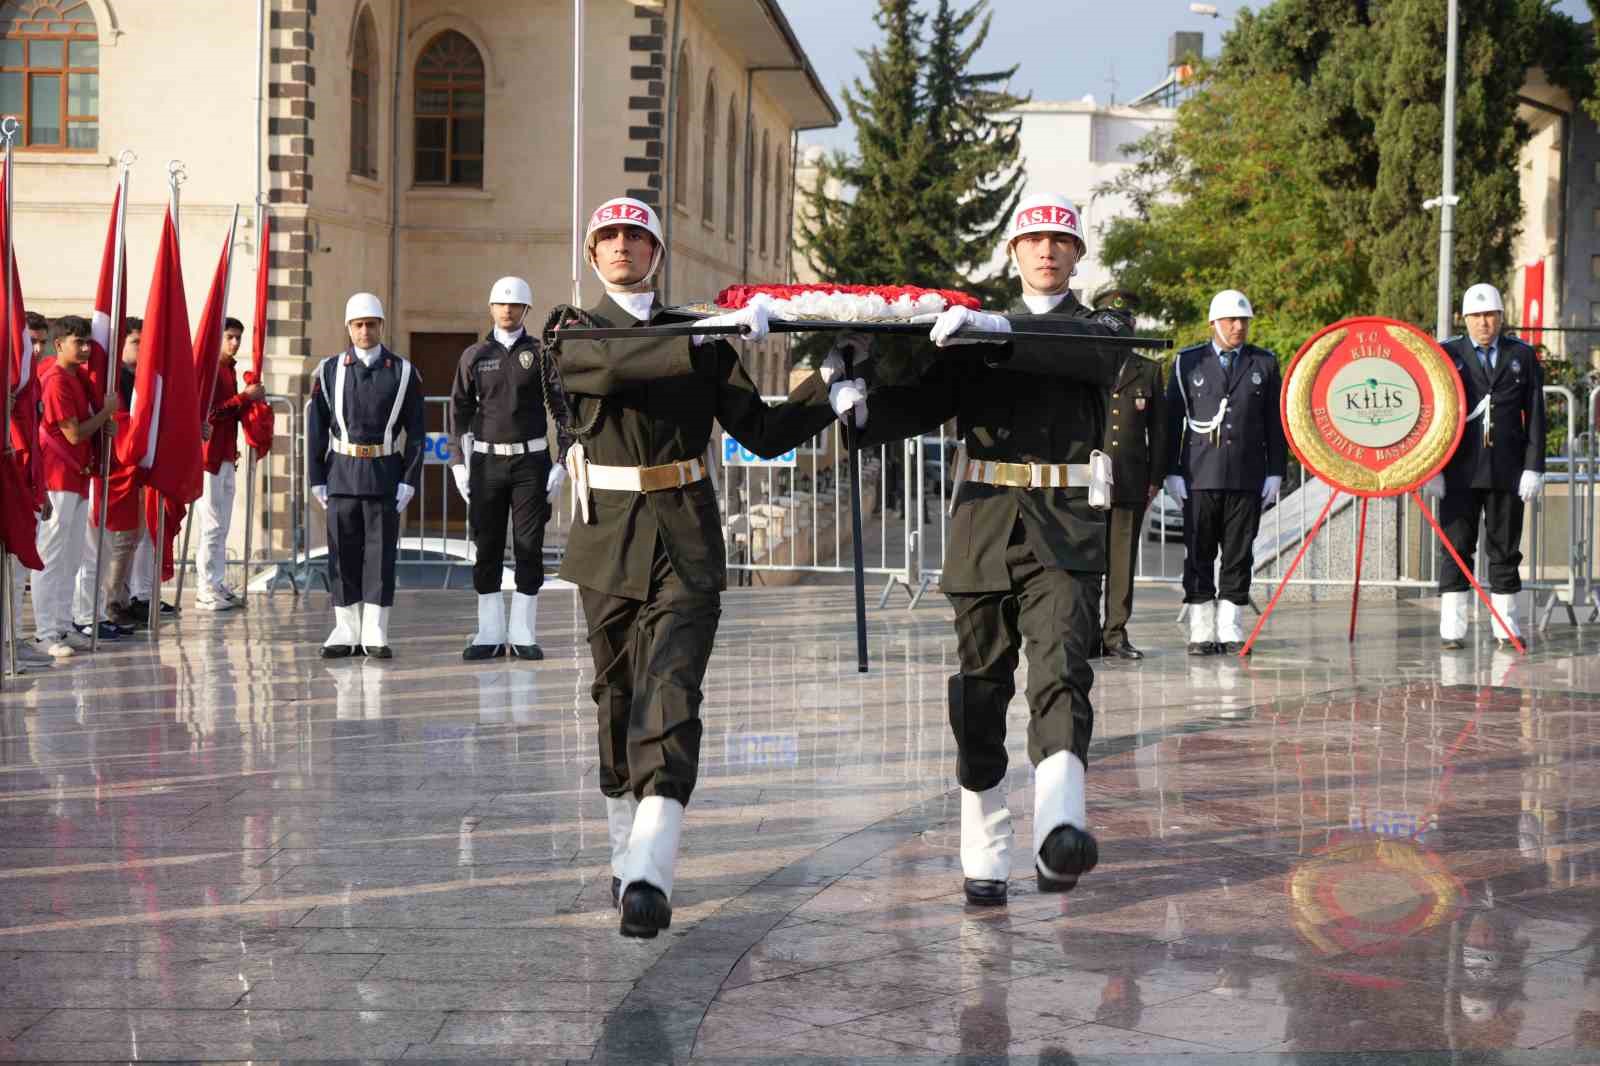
(1447, 200)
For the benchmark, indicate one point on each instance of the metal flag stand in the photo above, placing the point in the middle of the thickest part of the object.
(113, 365)
(207, 397)
(8, 592)
(177, 174)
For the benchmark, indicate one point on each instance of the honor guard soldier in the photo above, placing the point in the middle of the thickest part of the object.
(1136, 441)
(646, 547)
(1027, 544)
(1498, 467)
(505, 468)
(365, 440)
(1227, 455)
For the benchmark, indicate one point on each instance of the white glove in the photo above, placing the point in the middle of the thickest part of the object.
(1176, 488)
(320, 494)
(847, 396)
(1270, 487)
(854, 345)
(961, 317)
(459, 472)
(753, 316)
(402, 496)
(1531, 485)
(1433, 488)
(553, 483)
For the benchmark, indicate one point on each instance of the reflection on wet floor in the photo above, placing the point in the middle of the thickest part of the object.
(227, 848)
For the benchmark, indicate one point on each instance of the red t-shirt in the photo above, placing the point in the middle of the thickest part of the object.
(65, 395)
(226, 407)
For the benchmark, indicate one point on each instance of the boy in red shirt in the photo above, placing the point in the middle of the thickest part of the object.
(67, 428)
(124, 517)
(221, 436)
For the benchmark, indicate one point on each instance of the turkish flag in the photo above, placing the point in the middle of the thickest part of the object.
(153, 502)
(1533, 302)
(163, 439)
(21, 481)
(258, 417)
(208, 335)
(103, 336)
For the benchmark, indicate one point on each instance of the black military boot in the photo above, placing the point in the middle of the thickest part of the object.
(645, 911)
(1068, 851)
(984, 893)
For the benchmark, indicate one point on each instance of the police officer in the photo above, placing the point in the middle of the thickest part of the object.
(503, 468)
(1027, 543)
(1497, 468)
(646, 549)
(365, 440)
(1226, 460)
(1136, 441)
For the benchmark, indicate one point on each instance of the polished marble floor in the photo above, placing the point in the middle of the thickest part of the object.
(221, 848)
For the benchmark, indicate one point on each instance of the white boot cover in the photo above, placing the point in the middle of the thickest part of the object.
(619, 826)
(524, 613)
(985, 834)
(1453, 615)
(374, 626)
(491, 620)
(1203, 622)
(653, 844)
(346, 626)
(1228, 630)
(1505, 605)
(1058, 800)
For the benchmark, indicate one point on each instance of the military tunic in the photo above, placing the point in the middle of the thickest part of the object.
(651, 565)
(1136, 441)
(1484, 474)
(1022, 565)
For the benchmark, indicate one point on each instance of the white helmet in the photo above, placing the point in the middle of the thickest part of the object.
(625, 211)
(1481, 298)
(363, 305)
(1046, 212)
(1229, 303)
(509, 290)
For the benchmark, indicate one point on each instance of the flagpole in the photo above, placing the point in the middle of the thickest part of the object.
(113, 368)
(175, 177)
(208, 394)
(8, 635)
(577, 153)
(262, 258)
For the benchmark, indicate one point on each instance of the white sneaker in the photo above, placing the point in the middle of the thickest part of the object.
(214, 602)
(76, 640)
(56, 647)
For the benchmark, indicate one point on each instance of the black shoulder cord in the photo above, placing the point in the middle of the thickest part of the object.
(556, 407)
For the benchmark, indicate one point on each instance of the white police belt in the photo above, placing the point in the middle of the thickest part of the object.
(587, 476)
(538, 444)
(1029, 475)
(361, 451)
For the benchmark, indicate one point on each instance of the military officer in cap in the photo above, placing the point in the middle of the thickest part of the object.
(1027, 543)
(646, 547)
(505, 468)
(1136, 441)
(1226, 458)
(365, 442)
(1496, 470)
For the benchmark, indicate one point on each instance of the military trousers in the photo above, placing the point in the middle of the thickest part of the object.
(1123, 526)
(1501, 514)
(363, 547)
(650, 657)
(1219, 521)
(1053, 615)
(502, 487)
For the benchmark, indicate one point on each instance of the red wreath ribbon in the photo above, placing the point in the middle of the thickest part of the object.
(736, 296)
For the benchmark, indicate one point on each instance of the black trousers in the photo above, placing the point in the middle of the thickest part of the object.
(363, 544)
(1123, 525)
(502, 486)
(1216, 520)
(1054, 616)
(650, 657)
(1502, 525)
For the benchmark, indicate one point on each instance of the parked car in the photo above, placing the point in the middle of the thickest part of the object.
(1164, 518)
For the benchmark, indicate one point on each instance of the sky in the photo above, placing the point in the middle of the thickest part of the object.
(1066, 48)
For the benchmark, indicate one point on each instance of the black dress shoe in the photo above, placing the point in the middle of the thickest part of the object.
(1070, 851)
(1202, 647)
(645, 911)
(531, 652)
(1123, 651)
(616, 892)
(474, 653)
(338, 651)
(984, 893)
(381, 651)
(1452, 644)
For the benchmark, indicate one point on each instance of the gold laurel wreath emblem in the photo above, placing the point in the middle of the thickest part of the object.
(1321, 457)
(1437, 893)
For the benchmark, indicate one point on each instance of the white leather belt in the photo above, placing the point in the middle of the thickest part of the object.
(361, 451)
(538, 444)
(587, 476)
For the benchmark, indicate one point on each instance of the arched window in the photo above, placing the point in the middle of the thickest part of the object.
(449, 121)
(708, 147)
(680, 132)
(764, 190)
(50, 72)
(733, 166)
(364, 97)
